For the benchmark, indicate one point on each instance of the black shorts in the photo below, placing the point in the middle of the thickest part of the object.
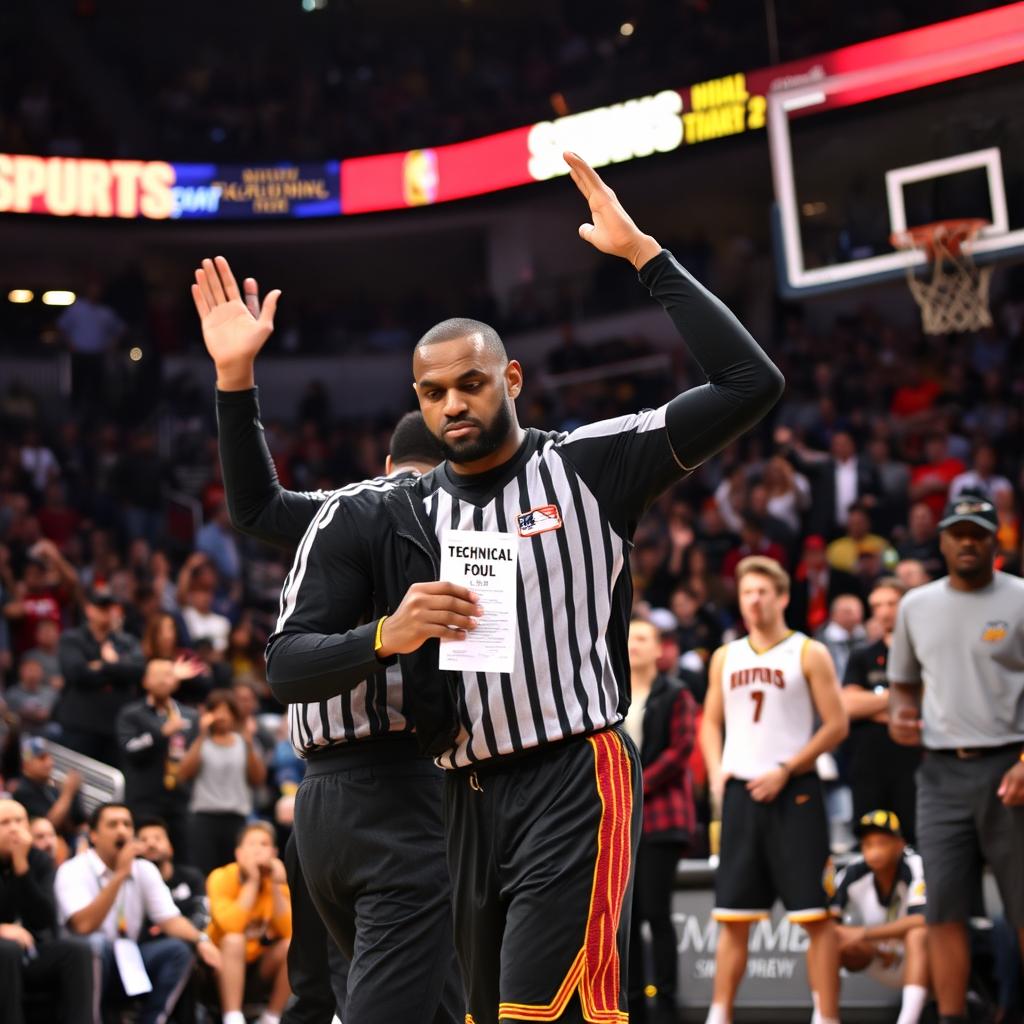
(541, 850)
(778, 850)
(962, 825)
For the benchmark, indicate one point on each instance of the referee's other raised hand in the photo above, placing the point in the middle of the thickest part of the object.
(443, 610)
(235, 327)
(612, 230)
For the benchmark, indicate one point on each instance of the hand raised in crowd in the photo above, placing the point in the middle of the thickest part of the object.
(108, 652)
(206, 722)
(234, 329)
(1011, 788)
(186, 667)
(612, 230)
(72, 782)
(443, 610)
(17, 845)
(175, 723)
(125, 856)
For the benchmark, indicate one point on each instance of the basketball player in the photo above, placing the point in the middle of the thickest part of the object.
(765, 690)
(542, 784)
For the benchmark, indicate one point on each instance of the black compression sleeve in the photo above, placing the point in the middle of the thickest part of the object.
(257, 503)
(743, 383)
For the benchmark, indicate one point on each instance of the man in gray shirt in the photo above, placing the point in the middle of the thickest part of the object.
(959, 643)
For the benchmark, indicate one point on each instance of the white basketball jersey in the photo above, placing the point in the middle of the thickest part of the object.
(769, 714)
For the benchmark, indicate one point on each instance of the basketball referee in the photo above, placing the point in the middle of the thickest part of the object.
(542, 796)
(956, 673)
(381, 882)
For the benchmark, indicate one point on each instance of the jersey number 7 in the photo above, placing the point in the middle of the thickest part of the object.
(757, 696)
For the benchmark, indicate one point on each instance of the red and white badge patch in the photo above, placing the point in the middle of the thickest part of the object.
(539, 520)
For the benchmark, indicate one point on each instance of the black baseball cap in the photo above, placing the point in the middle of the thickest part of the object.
(971, 508)
(100, 596)
(878, 821)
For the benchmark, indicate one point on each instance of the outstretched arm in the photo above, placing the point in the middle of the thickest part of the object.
(235, 329)
(742, 382)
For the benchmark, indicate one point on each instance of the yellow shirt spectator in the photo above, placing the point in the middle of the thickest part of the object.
(260, 925)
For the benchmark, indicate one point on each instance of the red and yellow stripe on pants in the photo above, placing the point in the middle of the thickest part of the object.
(595, 972)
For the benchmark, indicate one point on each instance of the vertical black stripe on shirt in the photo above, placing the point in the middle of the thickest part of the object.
(506, 679)
(570, 600)
(588, 571)
(546, 610)
(481, 677)
(325, 722)
(453, 523)
(347, 718)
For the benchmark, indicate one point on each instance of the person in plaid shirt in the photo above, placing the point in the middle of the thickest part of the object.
(662, 723)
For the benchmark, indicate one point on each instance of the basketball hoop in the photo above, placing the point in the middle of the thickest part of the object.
(955, 297)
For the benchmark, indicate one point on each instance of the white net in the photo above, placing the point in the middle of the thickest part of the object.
(954, 298)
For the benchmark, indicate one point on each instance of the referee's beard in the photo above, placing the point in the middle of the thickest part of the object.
(490, 437)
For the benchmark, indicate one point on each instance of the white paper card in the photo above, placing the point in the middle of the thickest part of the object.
(131, 968)
(486, 564)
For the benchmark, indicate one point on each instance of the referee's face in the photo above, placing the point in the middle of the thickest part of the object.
(467, 396)
(969, 550)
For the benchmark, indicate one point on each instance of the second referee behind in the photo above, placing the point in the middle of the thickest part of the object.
(542, 796)
(956, 672)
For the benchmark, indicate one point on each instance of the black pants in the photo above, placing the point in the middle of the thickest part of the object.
(63, 966)
(883, 779)
(652, 902)
(212, 839)
(317, 969)
(541, 851)
(371, 844)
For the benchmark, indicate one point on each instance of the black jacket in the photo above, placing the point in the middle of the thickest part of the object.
(92, 697)
(144, 750)
(28, 898)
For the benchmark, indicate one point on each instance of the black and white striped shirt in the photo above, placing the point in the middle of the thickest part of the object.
(374, 706)
(584, 492)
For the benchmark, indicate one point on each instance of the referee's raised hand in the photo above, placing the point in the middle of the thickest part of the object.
(612, 230)
(443, 610)
(234, 329)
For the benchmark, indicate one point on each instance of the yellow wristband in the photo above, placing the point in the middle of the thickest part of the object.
(378, 640)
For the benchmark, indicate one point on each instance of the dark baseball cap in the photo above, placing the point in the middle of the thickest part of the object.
(100, 596)
(970, 508)
(878, 821)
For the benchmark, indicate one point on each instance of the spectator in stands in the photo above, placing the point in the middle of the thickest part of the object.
(45, 838)
(752, 542)
(49, 584)
(982, 477)
(661, 722)
(911, 573)
(894, 481)
(881, 898)
(41, 797)
(45, 652)
(844, 552)
(930, 481)
(217, 540)
(922, 543)
(195, 596)
(94, 900)
(102, 668)
(90, 330)
(162, 638)
(57, 519)
(844, 629)
(696, 627)
(881, 772)
(789, 492)
(32, 958)
(153, 735)
(224, 767)
(815, 586)
(251, 922)
(186, 883)
(838, 480)
(32, 698)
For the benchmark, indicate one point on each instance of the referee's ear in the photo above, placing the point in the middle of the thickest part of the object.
(514, 378)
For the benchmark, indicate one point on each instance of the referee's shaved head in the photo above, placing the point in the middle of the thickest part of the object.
(462, 327)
